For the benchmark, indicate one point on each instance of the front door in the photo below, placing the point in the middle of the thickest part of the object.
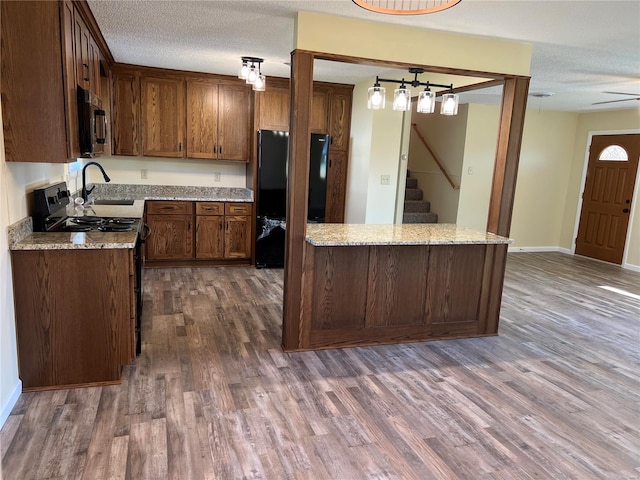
(606, 201)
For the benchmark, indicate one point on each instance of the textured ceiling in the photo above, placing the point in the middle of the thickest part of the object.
(581, 49)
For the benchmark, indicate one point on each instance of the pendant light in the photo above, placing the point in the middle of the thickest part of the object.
(376, 97)
(449, 104)
(426, 101)
(252, 75)
(402, 95)
(402, 98)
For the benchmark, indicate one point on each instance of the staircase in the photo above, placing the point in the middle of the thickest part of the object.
(416, 210)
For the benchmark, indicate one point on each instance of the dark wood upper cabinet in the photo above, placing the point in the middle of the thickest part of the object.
(163, 116)
(125, 118)
(234, 127)
(202, 119)
(340, 120)
(32, 82)
(320, 112)
(273, 108)
(218, 121)
(47, 51)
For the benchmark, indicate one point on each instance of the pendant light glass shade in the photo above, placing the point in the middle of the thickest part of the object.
(252, 75)
(449, 104)
(260, 84)
(244, 71)
(426, 102)
(402, 99)
(376, 97)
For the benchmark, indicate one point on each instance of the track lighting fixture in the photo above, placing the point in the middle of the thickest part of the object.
(402, 95)
(251, 74)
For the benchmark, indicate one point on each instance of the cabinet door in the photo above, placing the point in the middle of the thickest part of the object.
(340, 121)
(202, 119)
(209, 236)
(126, 114)
(237, 241)
(320, 112)
(233, 122)
(171, 237)
(94, 71)
(82, 40)
(336, 187)
(274, 109)
(162, 117)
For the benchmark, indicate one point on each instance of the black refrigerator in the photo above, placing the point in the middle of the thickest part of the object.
(271, 197)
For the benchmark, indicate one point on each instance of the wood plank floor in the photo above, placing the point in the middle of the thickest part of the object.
(556, 395)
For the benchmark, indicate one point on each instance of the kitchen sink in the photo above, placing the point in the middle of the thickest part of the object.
(113, 202)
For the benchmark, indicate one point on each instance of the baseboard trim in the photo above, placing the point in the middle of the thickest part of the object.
(630, 266)
(537, 249)
(626, 266)
(10, 403)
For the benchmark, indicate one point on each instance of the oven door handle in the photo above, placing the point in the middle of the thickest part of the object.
(146, 233)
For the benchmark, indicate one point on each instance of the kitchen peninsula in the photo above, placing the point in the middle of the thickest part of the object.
(375, 284)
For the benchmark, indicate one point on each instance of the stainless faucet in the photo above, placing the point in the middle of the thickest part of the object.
(85, 192)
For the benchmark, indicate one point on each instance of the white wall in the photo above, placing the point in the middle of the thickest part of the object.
(376, 150)
(359, 155)
(168, 171)
(446, 137)
(479, 156)
(543, 174)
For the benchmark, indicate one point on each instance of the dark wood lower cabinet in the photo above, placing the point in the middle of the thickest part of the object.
(367, 295)
(73, 312)
(222, 233)
(171, 237)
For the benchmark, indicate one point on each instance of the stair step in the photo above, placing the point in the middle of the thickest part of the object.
(412, 182)
(429, 217)
(417, 206)
(413, 194)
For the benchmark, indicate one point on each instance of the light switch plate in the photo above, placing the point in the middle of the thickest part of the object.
(385, 179)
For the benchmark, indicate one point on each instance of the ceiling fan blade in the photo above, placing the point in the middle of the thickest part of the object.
(616, 101)
(622, 93)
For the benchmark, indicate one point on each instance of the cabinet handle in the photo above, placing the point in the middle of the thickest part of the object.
(179, 146)
(220, 149)
(220, 226)
(86, 77)
(329, 163)
(331, 139)
(215, 148)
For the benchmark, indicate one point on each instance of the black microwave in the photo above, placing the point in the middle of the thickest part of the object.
(92, 124)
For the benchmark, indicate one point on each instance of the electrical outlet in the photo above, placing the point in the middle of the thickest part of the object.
(144, 173)
(385, 179)
(216, 176)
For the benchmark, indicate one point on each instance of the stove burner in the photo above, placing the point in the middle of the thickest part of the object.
(87, 220)
(115, 228)
(122, 221)
(77, 228)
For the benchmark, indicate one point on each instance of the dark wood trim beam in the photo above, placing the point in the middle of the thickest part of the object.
(402, 65)
(297, 192)
(505, 173)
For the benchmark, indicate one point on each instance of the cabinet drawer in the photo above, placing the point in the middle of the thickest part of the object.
(209, 208)
(237, 208)
(160, 207)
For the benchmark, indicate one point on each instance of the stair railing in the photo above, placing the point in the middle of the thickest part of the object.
(435, 158)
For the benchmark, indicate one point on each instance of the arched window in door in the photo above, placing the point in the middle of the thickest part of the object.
(614, 153)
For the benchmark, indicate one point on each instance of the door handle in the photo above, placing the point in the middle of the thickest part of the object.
(625, 210)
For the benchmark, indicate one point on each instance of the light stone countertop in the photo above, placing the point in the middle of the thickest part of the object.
(337, 234)
(76, 241)
(21, 236)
